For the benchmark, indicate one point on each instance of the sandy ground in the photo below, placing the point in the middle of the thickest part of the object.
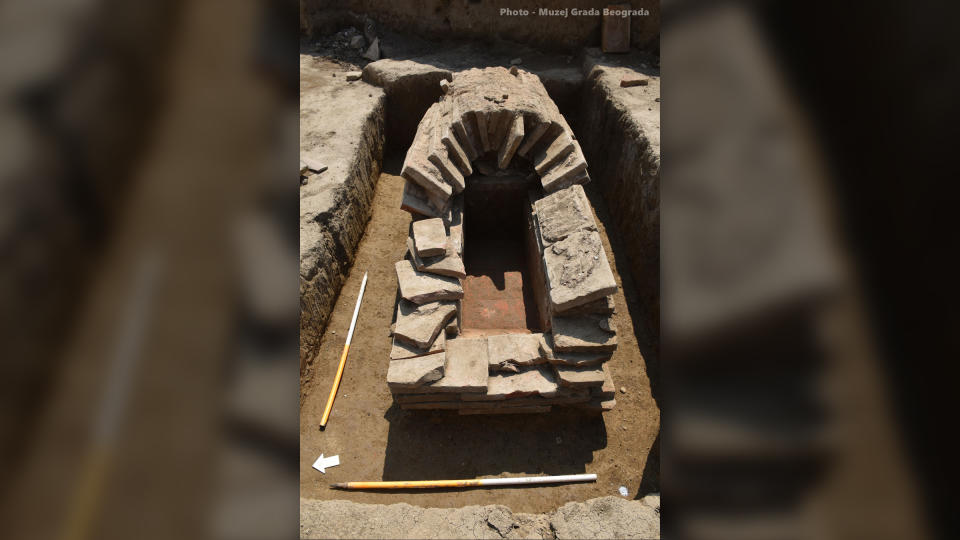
(377, 441)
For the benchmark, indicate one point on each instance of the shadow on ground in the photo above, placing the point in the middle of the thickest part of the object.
(435, 445)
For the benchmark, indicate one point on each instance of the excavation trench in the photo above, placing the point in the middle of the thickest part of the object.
(378, 440)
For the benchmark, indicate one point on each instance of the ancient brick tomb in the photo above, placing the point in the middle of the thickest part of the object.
(495, 147)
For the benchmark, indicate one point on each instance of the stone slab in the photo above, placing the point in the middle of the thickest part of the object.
(555, 152)
(415, 372)
(511, 142)
(570, 358)
(509, 352)
(420, 325)
(586, 333)
(598, 404)
(420, 398)
(430, 405)
(537, 272)
(466, 366)
(579, 377)
(402, 349)
(563, 213)
(601, 306)
(312, 163)
(430, 237)
(510, 410)
(450, 264)
(564, 173)
(498, 123)
(454, 219)
(422, 287)
(633, 79)
(615, 30)
(538, 380)
(577, 271)
(564, 395)
(415, 200)
(417, 165)
(608, 390)
(465, 131)
(456, 151)
(533, 138)
(448, 169)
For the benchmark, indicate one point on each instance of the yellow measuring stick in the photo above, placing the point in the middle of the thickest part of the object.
(343, 357)
(476, 482)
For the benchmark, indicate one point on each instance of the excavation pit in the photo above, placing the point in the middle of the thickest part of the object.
(393, 442)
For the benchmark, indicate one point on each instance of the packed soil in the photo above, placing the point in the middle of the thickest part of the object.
(377, 441)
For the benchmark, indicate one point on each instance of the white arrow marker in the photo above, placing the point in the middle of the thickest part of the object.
(323, 462)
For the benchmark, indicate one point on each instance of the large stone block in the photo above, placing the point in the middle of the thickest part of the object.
(562, 213)
(577, 271)
(586, 333)
(421, 287)
(419, 325)
(601, 306)
(579, 377)
(466, 366)
(415, 372)
(430, 237)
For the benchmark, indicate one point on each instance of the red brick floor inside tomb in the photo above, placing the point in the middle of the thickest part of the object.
(497, 297)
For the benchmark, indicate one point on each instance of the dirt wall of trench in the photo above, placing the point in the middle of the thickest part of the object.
(338, 232)
(626, 168)
(481, 20)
